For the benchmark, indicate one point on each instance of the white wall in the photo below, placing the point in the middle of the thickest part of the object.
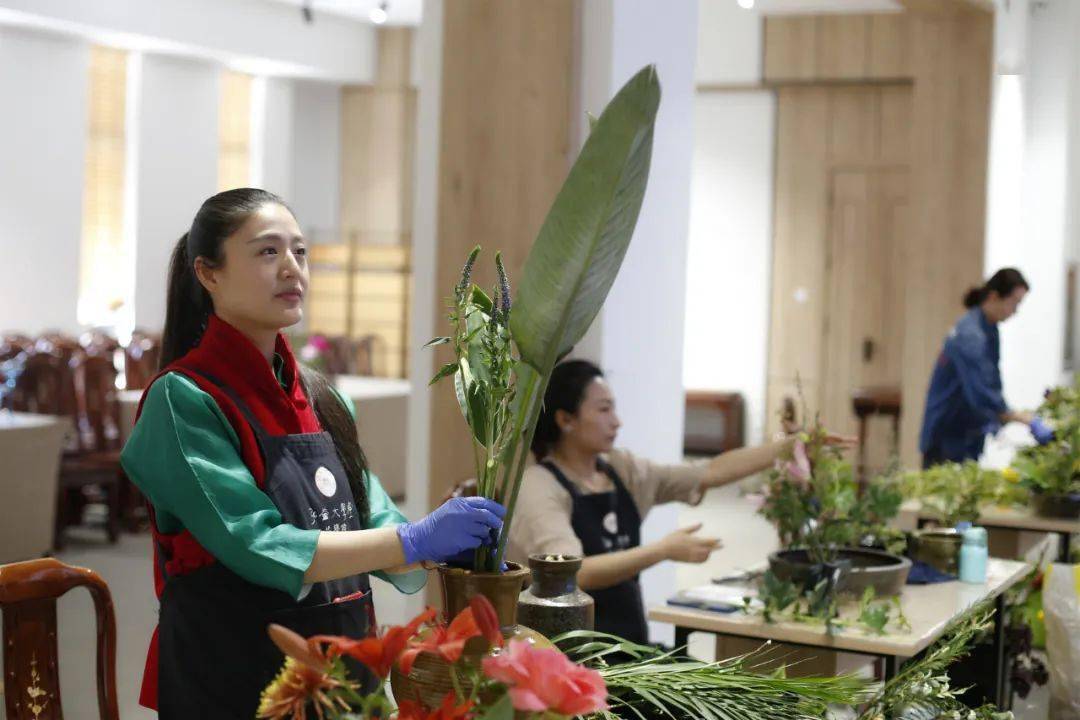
(1032, 236)
(254, 36)
(44, 82)
(176, 136)
(729, 49)
(316, 162)
(638, 337)
(272, 135)
(730, 249)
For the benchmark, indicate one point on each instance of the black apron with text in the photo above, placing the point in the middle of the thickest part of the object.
(215, 655)
(609, 522)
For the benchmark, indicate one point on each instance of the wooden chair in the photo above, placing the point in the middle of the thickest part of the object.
(875, 401)
(93, 472)
(46, 386)
(141, 359)
(28, 594)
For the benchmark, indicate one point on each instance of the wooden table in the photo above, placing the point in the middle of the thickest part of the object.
(929, 610)
(30, 450)
(1012, 518)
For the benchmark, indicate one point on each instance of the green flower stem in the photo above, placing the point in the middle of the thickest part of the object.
(527, 419)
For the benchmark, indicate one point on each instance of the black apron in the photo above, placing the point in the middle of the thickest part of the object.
(609, 522)
(215, 655)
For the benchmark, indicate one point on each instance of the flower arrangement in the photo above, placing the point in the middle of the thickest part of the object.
(956, 491)
(1054, 468)
(315, 352)
(522, 677)
(531, 681)
(815, 502)
(502, 359)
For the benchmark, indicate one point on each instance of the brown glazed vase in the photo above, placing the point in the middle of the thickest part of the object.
(554, 604)
(430, 681)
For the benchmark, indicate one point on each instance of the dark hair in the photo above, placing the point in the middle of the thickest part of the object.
(565, 391)
(188, 307)
(1003, 282)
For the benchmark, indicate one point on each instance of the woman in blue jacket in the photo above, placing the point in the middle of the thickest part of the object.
(965, 401)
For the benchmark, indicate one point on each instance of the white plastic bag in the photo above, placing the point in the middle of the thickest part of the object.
(1061, 609)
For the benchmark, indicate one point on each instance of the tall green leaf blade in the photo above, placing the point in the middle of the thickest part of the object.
(574, 261)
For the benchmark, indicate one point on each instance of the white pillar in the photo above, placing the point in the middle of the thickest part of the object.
(176, 141)
(44, 80)
(638, 337)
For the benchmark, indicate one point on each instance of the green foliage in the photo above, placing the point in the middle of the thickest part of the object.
(567, 276)
(669, 684)
(955, 491)
(783, 600)
(826, 512)
(1054, 468)
(921, 689)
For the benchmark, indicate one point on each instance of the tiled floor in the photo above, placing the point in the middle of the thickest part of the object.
(126, 566)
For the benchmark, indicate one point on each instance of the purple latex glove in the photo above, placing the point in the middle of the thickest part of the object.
(1043, 433)
(457, 525)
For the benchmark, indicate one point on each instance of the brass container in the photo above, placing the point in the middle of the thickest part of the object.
(939, 548)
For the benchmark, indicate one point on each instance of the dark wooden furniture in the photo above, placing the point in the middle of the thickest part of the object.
(714, 422)
(882, 400)
(93, 472)
(28, 594)
(141, 359)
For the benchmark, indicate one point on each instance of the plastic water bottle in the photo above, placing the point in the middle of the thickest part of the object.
(973, 556)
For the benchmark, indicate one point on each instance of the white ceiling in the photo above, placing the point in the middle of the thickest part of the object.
(400, 12)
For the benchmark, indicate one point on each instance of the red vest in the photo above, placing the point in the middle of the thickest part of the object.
(230, 357)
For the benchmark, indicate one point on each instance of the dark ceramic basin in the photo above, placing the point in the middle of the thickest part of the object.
(885, 572)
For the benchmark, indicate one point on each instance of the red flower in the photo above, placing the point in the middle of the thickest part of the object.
(308, 652)
(543, 679)
(449, 710)
(448, 642)
(377, 652)
(486, 619)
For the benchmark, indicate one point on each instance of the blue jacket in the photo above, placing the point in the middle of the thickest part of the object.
(964, 401)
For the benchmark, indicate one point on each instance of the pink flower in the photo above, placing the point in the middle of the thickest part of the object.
(319, 342)
(543, 679)
(799, 466)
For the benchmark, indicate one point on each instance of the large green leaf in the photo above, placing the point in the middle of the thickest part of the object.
(584, 238)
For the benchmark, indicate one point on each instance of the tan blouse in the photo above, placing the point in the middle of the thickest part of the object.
(541, 521)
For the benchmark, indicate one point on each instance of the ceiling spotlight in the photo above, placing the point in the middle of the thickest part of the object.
(746, 4)
(379, 15)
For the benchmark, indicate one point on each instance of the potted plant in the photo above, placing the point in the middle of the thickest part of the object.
(827, 528)
(1052, 471)
(954, 493)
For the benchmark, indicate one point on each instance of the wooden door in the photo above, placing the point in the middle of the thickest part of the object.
(840, 233)
(864, 309)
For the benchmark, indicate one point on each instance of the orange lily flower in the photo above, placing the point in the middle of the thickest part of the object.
(448, 710)
(378, 653)
(448, 642)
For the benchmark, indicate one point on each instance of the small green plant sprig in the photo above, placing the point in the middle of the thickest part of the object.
(483, 376)
(922, 690)
(783, 600)
(644, 682)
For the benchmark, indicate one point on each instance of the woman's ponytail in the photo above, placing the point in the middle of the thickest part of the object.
(975, 296)
(187, 307)
(1002, 283)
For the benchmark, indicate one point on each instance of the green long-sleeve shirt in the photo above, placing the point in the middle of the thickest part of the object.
(185, 457)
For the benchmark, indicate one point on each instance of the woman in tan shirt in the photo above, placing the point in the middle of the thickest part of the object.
(587, 498)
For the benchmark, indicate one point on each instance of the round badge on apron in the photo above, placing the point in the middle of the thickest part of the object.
(611, 523)
(325, 482)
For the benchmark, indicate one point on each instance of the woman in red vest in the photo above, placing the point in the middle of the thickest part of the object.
(262, 507)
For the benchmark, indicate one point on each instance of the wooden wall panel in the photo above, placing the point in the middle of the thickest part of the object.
(952, 60)
(799, 250)
(505, 134)
(791, 43)
(889, 46)
(843, 50)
